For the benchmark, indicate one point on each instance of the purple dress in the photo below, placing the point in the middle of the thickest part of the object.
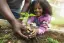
(42, 22)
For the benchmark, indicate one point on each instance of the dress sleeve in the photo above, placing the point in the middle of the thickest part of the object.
(44, 26)
(30, 20)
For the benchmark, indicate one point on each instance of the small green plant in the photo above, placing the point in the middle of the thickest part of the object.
(24, 16)
(51, 40)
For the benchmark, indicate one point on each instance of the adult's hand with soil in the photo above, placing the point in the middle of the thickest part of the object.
(6, 12)
(18, 27)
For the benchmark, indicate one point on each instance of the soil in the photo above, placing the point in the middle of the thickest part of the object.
(7, 35)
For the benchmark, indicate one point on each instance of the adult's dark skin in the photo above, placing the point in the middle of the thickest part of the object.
(6, 12)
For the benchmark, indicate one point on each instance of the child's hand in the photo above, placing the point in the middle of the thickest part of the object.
(34, 33)
(28, 30)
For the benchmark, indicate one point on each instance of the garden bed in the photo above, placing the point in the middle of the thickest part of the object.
(6, 34)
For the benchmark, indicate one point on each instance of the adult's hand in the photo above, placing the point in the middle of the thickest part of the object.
(6, 12)
(17, 27)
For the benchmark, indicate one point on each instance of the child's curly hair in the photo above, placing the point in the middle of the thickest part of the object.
(45, 6)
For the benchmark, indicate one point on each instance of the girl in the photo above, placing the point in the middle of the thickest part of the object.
(43, 12)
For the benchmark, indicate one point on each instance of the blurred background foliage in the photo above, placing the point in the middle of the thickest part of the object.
(58, 12)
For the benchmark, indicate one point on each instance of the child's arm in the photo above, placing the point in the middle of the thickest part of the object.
(42, 28)
(30, 20)
(45, 25)
(39, 30)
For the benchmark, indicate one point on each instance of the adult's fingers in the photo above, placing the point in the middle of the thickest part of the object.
(23, 27)
(22, 35)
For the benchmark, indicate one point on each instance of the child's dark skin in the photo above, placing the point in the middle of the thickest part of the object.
(38, 11)
(41, 8)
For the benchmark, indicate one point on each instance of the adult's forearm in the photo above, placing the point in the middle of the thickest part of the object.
(26, 5)
(5, 10)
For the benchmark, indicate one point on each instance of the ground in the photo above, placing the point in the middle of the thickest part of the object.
(7, 35)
